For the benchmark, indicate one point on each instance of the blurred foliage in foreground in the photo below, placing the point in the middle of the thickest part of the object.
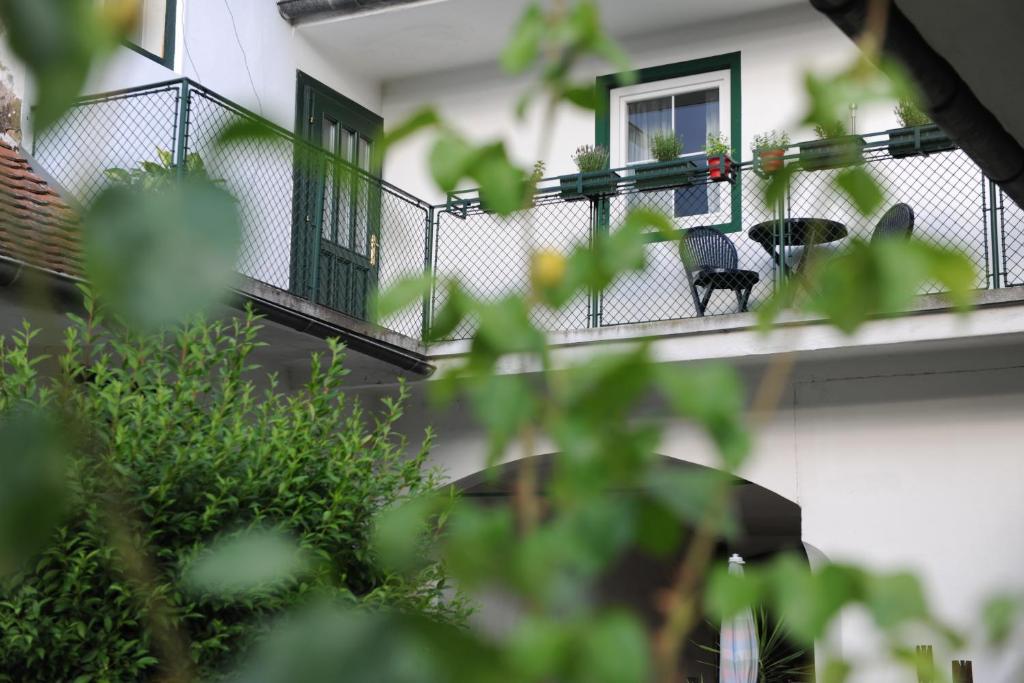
(606, 492)
(171, 446)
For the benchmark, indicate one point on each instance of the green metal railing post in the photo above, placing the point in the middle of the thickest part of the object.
(184, 110)
(996, 249)
(599, 220)
(428, 270)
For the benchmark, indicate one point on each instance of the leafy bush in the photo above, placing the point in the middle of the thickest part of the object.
(666, 146)
(718, 146)
(773, 139)
(590, 158)
(177, 449)
(910, 114)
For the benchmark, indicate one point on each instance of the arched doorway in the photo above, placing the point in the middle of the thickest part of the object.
(769, 524)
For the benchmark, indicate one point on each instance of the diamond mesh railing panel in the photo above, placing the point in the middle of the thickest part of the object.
(125, 129)
(106, 132)
(945, 191)
(1012, 240)
(490, 255)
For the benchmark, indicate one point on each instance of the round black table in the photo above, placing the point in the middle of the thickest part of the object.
(774, 236)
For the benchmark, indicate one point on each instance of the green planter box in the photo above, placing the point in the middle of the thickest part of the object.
(664, 174)
(817, 155)
(585, 185)
(907, 142)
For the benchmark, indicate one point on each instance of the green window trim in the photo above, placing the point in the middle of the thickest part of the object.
(170, 38)
(731, 61)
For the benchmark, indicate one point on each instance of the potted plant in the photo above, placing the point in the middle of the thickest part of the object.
(769, 150)
(594, 178)
(834, 148)
(719, 161)
(667, 170)
(917, 134)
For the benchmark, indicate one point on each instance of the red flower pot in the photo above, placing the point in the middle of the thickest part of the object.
(719, 168)
(771, 159)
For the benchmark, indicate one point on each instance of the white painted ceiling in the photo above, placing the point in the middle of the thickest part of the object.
(445, 34)
(982, 40)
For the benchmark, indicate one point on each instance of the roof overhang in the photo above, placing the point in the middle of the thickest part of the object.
(950, 99)
(300, 11)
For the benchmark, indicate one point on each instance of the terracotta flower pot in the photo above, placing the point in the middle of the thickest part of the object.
(720, 168)
(771, 159)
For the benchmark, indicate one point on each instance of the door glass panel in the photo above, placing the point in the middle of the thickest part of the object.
(345, 194)
(646, 118)
(329, 141)
(362, 224)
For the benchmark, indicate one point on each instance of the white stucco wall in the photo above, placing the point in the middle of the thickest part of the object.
(776, 49)
(902, 458)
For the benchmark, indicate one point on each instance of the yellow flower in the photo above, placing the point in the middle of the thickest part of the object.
(547, 269)
(121, 15)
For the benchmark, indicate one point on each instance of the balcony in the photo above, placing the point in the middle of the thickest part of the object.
(280, 185)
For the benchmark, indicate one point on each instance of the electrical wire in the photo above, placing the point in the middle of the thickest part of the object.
(245, 60)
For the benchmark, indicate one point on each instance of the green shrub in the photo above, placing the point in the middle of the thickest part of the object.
(910, 114)
(590, 158)
(666, 146)
(153, 174)
(176, 448)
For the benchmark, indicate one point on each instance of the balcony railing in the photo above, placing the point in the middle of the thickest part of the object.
(955, 205)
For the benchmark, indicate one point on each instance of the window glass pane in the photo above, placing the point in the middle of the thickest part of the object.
(345, 192)
(329, 141)
(696, 116)
(362, 197)
(645, 119)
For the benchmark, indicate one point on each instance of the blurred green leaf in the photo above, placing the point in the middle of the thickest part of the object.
(614, 650)
(158, 256)
(894, 599)
(423, 118)
(399, 532)
(401, 295)
(809, 601)
(251, 561)
(33, 485)
(247, 129)
(58, 41)
(504, 404)
(863, 190)
(692, 494)
(729, 594)
(523, 47)
(713, 396)
(1000, 614)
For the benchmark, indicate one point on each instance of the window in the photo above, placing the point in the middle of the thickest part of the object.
(692, 99)
(691, 107)
(153, 36)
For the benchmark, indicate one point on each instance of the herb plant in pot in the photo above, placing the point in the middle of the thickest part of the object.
(769, 150)
(719, 161)
(917, 134)
(667, 170)
(594, 178)
(834, 148)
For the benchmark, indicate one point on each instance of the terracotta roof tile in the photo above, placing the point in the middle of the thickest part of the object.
(37, 226)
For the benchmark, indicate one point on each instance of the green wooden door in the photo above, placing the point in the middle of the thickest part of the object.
(339, 221)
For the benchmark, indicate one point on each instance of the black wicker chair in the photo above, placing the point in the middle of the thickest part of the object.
(711, 263)
(897, 222)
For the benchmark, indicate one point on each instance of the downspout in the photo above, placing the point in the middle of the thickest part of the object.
(947, 98)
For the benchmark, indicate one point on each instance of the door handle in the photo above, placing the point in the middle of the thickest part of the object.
(374, 245)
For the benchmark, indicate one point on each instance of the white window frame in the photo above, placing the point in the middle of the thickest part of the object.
(620, 98)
